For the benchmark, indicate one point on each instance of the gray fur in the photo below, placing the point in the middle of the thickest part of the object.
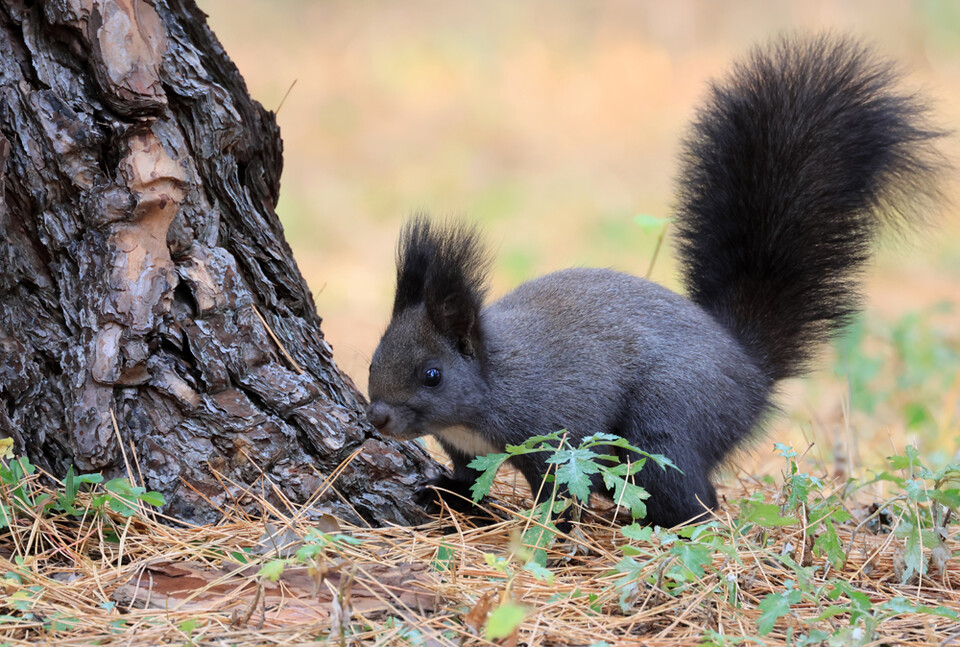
(789, 172)
(586, 350)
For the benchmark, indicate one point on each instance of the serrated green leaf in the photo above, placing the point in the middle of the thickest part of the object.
(913, 554)
(906, 461)
(693, 556)
(626, 493)
(504, 620)
(539, 571)
(574, 469)
(785, 450)
(308, 552)
(602, 437)
(273, 569)
(487, 466)
(773, 607)
(949, 498)
(630, 567)
(828, 544)
(764, 514)
(637, 532)
(537, 443)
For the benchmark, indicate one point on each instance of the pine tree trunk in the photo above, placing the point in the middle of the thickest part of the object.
(152, 317)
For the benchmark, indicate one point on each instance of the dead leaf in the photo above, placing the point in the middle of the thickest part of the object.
(295, 597)
(476, 618)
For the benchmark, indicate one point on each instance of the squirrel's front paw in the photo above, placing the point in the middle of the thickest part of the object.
(445, 491)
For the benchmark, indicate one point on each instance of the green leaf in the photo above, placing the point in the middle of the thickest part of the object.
(801, 485)
(123, 487)
(307, 553)
(913, 554)
(910, 457)
(624, 492)
(764, 514)
(152, 498)
(239, 557)
(637, 532)
(901, 605)
(188, 626)
(774, 606)
(541, 537)
(828, 544)
(488, 466)
(547, 442)
(444, 561)
(785, 450)
(273, 569)
(504, 620)
(949, 498)
(693, 556)
(119, 505)
(540, 572)
(497, 562)
(617, 441)
(71, 485)
(575, 468)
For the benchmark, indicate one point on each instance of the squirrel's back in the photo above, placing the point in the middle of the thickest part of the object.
(578, 348)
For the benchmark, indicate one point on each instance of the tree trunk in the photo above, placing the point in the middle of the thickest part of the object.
(152, 317)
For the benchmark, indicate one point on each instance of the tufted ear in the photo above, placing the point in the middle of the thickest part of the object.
(454, 309)
(416, 249)
(444, 268)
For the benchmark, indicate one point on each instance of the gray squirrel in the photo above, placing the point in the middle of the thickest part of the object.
(791, 168)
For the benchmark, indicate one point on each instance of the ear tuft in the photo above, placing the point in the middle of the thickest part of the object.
(444, 267)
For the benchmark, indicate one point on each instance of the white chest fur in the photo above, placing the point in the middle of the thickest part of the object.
(468, 441)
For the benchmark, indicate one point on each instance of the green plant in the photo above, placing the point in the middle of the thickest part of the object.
(576, 465)
(931, 499)
(316, 545)
(23, 493)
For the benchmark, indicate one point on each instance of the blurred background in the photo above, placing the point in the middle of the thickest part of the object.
(553, 124)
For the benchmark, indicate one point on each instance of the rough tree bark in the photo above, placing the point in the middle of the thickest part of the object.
(139, 249)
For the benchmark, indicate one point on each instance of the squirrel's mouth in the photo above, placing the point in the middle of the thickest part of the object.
(393, 421)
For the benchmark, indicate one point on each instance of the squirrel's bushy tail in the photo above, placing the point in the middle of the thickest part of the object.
(800, 156)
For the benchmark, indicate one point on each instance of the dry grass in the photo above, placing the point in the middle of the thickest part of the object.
(111, 580)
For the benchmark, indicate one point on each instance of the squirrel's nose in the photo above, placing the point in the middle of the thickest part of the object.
(378, 414)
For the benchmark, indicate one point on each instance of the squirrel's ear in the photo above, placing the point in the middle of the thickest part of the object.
(455, 311)
(443, 267)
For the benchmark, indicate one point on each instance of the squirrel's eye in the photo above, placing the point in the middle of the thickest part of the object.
(431, 377)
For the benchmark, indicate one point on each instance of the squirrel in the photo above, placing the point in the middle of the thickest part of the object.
(795, 163)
